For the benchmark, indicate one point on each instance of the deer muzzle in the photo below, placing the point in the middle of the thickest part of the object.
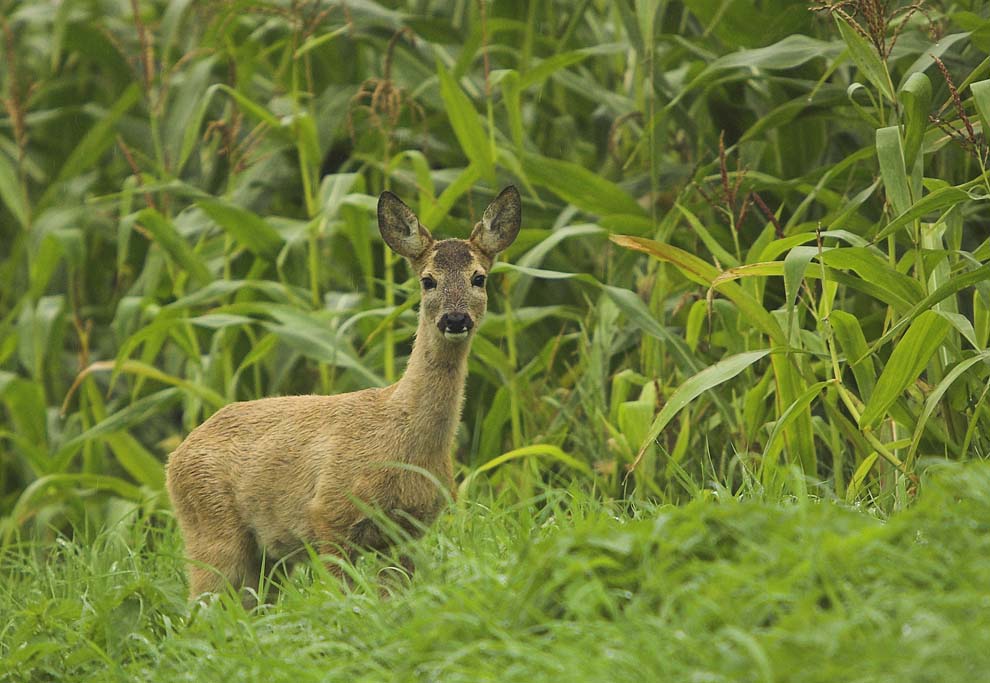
(455, 325)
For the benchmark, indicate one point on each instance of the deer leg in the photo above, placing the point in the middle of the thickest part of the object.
(220, 558)
(331, 534)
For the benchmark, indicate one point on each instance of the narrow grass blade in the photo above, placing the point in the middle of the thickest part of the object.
(57, 485)
(937, 200)
(534, 450)
(11, 192)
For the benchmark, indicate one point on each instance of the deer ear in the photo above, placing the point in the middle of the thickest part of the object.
(500, 223)
(400, 228)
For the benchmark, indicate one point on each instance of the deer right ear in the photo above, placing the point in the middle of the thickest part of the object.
(400, 228)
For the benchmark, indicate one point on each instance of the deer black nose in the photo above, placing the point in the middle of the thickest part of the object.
(455, 322)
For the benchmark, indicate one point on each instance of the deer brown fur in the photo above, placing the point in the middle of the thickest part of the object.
(273, 475)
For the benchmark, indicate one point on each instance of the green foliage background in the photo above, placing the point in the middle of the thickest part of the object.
(752, 281)
(188, 219)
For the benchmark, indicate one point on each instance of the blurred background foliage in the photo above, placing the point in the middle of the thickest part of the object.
(754, 255)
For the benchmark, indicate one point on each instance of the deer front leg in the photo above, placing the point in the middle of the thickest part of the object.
(330, 532)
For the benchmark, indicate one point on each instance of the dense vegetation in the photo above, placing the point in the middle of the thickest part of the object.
(754, 264)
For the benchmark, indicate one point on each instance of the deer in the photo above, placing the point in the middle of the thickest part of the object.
(266, 479)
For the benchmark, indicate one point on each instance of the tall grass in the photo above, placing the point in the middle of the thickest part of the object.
(187, 219)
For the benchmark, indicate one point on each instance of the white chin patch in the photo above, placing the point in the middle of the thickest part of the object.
(456, 336)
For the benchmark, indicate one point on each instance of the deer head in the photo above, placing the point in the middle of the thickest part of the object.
(452, 272)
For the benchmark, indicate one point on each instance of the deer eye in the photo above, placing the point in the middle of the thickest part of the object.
(428, 282)
(478, 280)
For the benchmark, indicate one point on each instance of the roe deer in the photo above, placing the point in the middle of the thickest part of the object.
(274, 474)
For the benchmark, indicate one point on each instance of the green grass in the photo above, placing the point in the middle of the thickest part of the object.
(557, 588)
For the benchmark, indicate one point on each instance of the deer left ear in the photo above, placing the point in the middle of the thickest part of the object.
(499, 224)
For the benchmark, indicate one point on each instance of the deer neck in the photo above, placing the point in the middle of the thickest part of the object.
(431, 393)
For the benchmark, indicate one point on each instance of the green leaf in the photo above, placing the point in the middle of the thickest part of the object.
(25, 402)
(174, 245)
(36, 328)
(717, 250)
(146, 371)
(578, 186)
(11, 191)
(316, 340)
(627, 301)
(136, 413)
(693, 387)
(695, 322)
(251, 107)
(933, 399)
(795, 264)
(892, 168)
(436, 212)
(981, 96)
(859, 476)
(866, 58)
(171, 24)
(466, 124)
(916, 96)
(188, 103)
(976, 276)
(704, 273)
(248, 228)
(512, 99)
(890, 286)
(139, 462)
(793, 412)
(68, 244)
(66, 484)
(942, 198)
(788, 53)
(551, 65)
(852, 341)
(905, 365)
(424, 181)
(319, 40)
(638, 314)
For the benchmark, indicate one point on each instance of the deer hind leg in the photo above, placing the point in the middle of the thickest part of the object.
(215, 564)
(223, 554)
